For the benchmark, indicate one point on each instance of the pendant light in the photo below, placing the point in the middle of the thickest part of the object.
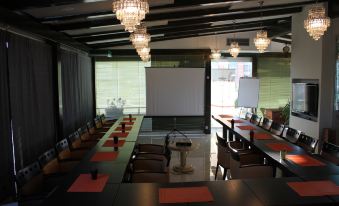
(261, 41)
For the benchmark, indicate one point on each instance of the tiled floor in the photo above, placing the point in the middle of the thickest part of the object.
(203, 160)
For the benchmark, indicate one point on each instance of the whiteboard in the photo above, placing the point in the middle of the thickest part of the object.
(175, 91)
(248, 93)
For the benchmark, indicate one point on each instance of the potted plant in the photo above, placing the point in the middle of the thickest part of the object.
(285, 113)
(115, 108)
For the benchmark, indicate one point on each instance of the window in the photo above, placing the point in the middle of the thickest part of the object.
(120, 87)
(337, 79)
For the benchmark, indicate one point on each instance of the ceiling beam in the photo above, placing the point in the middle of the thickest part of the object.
(282, 41)
(206, 19)
(191, 29)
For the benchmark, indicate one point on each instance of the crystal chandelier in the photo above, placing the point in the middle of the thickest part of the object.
(261, 41)
(215, 54)
(146, 58)
(234, 49)
(130, 12)
(140, 38)
(317, 22)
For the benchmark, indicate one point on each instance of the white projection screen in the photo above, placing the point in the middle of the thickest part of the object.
(175, 91)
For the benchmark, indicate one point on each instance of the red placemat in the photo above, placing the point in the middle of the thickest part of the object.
(127, 128)
(262, 136)
(104, 156)
(246, 127)
(127, 119)
(118, 134)
(84, 183)
(225, 116)
(110, 143)
(185, 195)
(127, 123)
(236, 121)
(304, 160)
(279, 147)
(315, 188)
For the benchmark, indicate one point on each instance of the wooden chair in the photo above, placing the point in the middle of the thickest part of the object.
(266, 124)
(277, 128)
(291, 134)
(99, 126)
(248, 116)
(66, 154)
(75, 143)
(93, 131)
(85, 136)
(106, 122)
(223, 156)
(307, 143)
(255, 119)
(330, 152)
(50, 165)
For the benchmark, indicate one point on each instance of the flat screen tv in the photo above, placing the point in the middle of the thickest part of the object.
(305, 95)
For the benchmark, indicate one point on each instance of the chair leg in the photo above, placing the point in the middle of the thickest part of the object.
(216, 171)
(225, 173)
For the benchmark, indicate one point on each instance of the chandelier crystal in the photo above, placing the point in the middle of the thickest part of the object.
(140, 38)
(317, 22)
(130, 12)
(146, 58)
(234, 49)
(215, 54)
(144, 51)
(261, 41)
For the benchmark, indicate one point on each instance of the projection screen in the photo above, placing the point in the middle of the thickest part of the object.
(175, 91)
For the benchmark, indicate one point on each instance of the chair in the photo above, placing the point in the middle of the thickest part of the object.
(93, 131)
(248, 164)
(255, 119)
(75, 142)
(99, 126)
(277, 128)
(149, 170)
(223, 156)
(307, 143)
(50, 165)
(248, 116)
(85, 136)
(66, 154)
(266, 124)
(105, 121)
(330, 152)
(291, 134)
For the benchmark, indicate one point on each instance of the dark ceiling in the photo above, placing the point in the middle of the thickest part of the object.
(91, 23)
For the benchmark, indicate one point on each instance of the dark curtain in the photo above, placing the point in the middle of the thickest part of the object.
(31, 91)
(6, 162)
(77, 92)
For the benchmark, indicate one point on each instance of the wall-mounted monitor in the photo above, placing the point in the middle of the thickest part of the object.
(305, 97)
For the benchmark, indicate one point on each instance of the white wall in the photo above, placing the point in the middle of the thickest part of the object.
(314, 60)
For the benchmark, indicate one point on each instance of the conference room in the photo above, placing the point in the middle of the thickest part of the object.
(169, 102)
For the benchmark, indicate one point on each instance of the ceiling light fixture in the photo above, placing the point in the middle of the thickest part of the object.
(317, 22)
(130, 12)
(215, 53)
(261, 41)
(234, 47)
(140, 38)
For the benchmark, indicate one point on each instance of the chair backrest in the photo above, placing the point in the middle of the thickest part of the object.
(267, 123)
(62, 146)
(277, 128)
(46, 157)
(291, 134)
(248, 116)
(330, 152)
(97, 122)
(255, 119)
(74, 140)
(307, 143)
(26, 174)
(221, 141)
(223, 152)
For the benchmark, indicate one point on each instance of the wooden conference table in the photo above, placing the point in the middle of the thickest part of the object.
(272, 191)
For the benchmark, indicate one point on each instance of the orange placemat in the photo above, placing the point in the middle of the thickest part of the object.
(127, 128)
(127, 119)
(110, 143)
(185, 195)
(304, 160)
(127, 123)
(262, 136)
(118, 134)
(225, 116)
(246, 127)
(84, 183)
(279, 147)
(236, 121)
(315, 188)
(104, 156)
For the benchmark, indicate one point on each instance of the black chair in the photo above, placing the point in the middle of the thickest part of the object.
(290, 134)
(93, 131)
(266, 124)
(66, 154)
(307, 143)
(86, 137)
(248, 116)
(330, 152)
(277, 128)
(255, 119)
(76, 143)
(223, 156)
(50, 165)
